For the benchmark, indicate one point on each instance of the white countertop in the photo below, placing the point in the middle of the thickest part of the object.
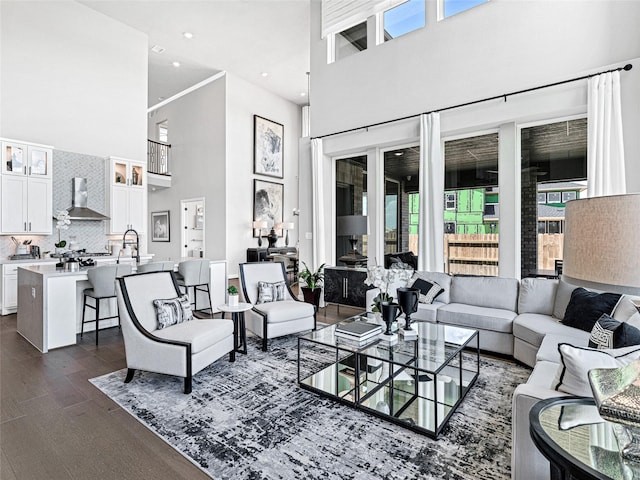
(56, 260)
(49, 270)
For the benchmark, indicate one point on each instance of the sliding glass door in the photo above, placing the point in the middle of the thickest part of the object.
(351, 199)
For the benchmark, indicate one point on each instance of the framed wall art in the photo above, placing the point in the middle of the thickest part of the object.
(268, 147)
(268, 201)
(160, 225)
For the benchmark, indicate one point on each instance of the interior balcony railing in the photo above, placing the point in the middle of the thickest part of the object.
(158, 154)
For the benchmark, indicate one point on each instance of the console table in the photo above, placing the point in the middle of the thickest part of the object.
(578, 444)
(262, 254)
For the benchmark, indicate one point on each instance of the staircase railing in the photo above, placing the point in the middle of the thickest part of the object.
(158, 154)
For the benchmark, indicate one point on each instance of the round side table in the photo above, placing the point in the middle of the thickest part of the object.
(239, 327)
(578, 443)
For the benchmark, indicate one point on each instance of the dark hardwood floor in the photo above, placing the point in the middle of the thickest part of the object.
(54, 424)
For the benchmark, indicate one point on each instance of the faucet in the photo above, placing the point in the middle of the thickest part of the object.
(137, 243)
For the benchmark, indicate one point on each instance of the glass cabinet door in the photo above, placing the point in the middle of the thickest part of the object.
(120, 173)
(39, 162)
(14, 158)
(136, 175)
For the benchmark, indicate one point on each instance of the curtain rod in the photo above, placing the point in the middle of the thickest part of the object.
(627, 67)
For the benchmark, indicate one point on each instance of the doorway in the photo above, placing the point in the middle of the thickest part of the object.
(192, 228)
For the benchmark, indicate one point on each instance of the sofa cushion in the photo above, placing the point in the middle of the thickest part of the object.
(201, 334)
(286, 310)
(563, 295)
(577, 361)
(610, 333)
(544, 374)
(625, 309)
(427, 311)
(172, 311)
(271, 292)
(532, 328)
(537, 295)
(490, 292)
(428, 290)
(585, 307)
(471, 316)
(442, 279)
(548, 351)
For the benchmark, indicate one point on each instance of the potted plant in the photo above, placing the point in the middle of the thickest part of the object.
(62, 216)
(233, 296)
(313, 284)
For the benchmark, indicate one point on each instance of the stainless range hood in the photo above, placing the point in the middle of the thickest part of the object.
(79, 211)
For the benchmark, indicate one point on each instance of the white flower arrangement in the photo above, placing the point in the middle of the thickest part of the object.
(380, 277)
(64, 220)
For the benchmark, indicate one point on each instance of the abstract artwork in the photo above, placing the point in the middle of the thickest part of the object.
(268, 147)
(268, 199)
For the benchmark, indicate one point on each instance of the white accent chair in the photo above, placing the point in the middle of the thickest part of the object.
(165, 266)
(273, 319)
(195, 274)
(182, 349)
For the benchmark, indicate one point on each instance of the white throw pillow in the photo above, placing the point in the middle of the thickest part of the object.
(577, 361)
(625, 309)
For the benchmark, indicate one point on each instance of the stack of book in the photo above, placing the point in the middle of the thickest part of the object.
(357, 333)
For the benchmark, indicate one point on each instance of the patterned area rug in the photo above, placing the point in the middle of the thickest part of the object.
(250, 420)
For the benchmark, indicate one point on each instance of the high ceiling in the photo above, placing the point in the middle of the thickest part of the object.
(242, 37)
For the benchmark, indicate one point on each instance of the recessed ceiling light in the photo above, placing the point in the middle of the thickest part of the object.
(188, 35)
(264, 74)
(175, 64)
(303, 94)
(399, 154)
(157, 49)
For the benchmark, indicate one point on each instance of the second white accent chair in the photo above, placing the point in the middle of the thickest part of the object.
(167, 266)
(278, 318)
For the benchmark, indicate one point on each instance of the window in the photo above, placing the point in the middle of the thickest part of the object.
(448, 8)
(554, 167)
(450, 201)
(402, 200)
(403, 19)
(350, 41)
(471, 215)
(553, 197)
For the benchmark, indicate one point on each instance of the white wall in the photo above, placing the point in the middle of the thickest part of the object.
(244, 100)
(198, 166)
(72, 78)
(497, 48)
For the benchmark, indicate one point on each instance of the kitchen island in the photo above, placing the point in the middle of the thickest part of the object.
(50, 303)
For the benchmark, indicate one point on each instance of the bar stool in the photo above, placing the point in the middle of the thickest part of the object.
(156, 267)
(195, 274)
(103, 286)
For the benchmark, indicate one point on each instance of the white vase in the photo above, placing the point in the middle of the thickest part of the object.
(233, 300)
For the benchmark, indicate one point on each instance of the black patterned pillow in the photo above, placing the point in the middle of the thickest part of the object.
(428, 290)
(172, 311)
(610, 333)
(271, 292)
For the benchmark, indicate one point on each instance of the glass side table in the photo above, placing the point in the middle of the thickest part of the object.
(578, 443)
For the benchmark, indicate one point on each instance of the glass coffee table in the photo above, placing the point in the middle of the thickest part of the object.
(417, 384)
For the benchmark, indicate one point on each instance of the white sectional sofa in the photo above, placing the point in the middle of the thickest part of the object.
(520, 319)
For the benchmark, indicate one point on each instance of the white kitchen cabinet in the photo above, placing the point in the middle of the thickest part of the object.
(127, 195)
(26, 189)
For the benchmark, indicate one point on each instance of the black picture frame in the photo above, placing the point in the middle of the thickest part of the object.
(268, 203)
(268, 147)
(160, 226)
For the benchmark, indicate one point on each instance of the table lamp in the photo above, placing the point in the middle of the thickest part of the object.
(259, 224)
(286, 226)
(352, 226)
(601, 252)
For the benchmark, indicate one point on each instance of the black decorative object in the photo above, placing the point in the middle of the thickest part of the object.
(408, 300)
(390, 312)
(273, 238)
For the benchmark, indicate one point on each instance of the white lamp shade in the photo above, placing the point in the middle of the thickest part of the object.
(260, 224)
(602, 243)
(288, 225)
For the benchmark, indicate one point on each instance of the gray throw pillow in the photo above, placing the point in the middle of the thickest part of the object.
(271, 292)
(563, 295)
(172, 311)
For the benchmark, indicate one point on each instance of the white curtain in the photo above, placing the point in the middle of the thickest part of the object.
(605, 152)
(431, 221)
(317, 177)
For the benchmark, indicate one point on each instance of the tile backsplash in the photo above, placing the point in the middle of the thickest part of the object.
(91, 235)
